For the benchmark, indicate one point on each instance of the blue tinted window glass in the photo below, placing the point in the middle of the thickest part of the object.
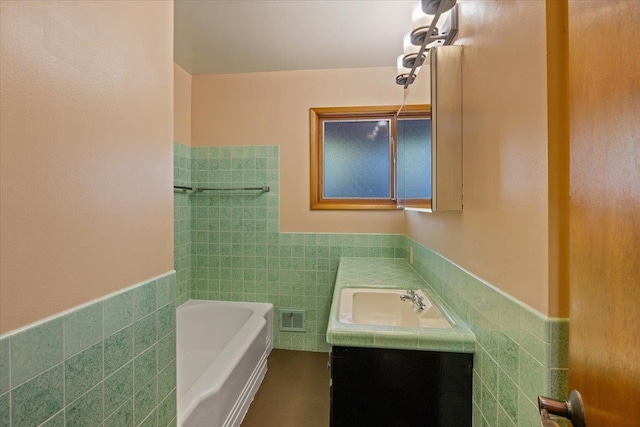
(414, 159)
(356, 159)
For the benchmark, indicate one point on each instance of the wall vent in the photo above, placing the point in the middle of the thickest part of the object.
(292, 320)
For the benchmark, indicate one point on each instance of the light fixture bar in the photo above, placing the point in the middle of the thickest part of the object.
(434, 38)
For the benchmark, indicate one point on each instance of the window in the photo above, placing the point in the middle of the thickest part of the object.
(353, 154)
(413, 163)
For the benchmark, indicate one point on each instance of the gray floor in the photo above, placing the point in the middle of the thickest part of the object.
(295, 391)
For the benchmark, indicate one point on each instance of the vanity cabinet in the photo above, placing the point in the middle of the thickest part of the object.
(388, 387)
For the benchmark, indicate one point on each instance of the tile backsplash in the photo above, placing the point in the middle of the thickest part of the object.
(520, 353)
(109, 362)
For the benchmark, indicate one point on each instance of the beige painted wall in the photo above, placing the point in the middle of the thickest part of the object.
(273, 108)
(181, 105)
(502, 233)
(86, 152)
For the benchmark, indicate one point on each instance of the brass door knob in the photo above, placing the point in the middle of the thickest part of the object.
(571, 409)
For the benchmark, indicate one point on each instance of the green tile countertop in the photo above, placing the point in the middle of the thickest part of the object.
(398, 274)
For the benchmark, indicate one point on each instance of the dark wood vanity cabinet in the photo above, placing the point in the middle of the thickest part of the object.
(393, 388)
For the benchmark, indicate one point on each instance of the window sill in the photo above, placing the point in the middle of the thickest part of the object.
(354, 205)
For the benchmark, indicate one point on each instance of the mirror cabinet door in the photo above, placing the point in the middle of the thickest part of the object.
(429, 151)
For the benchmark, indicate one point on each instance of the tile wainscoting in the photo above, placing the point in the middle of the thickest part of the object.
(520, 353)
(110, 362)
(238, 253)
(182, 246)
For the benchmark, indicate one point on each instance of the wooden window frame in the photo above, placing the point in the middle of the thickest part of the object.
(317, 116)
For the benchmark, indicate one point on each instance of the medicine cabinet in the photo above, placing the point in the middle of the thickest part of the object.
(429, 168)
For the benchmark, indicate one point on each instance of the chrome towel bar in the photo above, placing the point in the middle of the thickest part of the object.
(264, 189)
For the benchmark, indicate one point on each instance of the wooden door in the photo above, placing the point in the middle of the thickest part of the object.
(604, 70)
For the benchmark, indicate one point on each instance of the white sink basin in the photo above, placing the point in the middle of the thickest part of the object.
(383, 307)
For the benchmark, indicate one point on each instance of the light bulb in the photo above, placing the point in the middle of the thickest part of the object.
(431, 6)
(419, 18)
(404, 74)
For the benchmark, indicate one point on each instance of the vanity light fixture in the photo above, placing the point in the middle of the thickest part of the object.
(434, 23)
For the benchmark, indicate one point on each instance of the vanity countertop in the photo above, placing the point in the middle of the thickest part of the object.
(393, 273)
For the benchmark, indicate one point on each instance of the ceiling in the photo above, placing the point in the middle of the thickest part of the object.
(240, 36)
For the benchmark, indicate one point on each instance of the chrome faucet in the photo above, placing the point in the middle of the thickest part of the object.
(414, 298)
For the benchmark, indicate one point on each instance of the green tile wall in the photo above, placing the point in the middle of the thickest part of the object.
(182, 220)
(520, 353)
(238, 253)
(110, 362)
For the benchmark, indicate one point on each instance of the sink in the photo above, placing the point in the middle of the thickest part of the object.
(383, 307)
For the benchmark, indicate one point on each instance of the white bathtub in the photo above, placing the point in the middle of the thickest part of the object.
(222, 350)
